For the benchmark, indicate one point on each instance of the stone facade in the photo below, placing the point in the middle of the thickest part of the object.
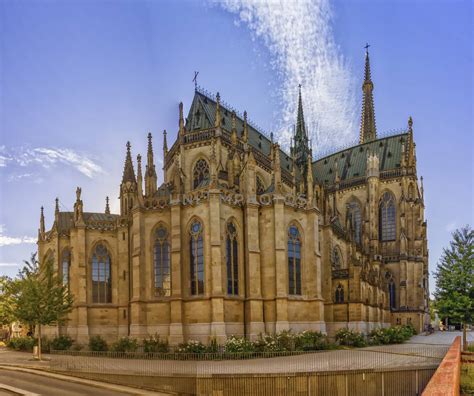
(242, 238)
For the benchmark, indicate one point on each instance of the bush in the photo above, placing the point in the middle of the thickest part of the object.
(154, 344)
(311, 341)
(22, 344)
(238, 345)
(192, 346)
(61, 343)
(391, 335)
(350, 338)
(125, 344)
(97, 344)
(470, 347)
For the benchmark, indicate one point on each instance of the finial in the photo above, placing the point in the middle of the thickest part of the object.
(245, 132)
(128, 147)
(422, 188)
(195, 80)
(42, 228)
(165, 143)
(410, 122)
(107, 207)
(217, 121)
(42, 212)
(139, 162)
(233, 121)
(271, 137)
(181, 119)
(367, 48)
(56, 209)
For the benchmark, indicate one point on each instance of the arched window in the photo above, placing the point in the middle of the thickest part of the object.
(65, 266)
(339, 297)
(260, 186)
(200, 173)
(337, 262)
(355, 220)
(391, 292)
(101, 276)
(387, 227)
(232, 260)
(294, 261)
(196, 254)
(161, 262)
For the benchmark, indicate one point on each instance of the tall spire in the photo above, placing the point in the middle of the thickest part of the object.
(128, 172)
(301, 149)
(150, 174)
(368, 130)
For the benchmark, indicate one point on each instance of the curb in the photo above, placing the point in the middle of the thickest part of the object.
(77, 380)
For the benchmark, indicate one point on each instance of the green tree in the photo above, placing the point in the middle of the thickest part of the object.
(38, 297)
(455, 279)
(6, 316)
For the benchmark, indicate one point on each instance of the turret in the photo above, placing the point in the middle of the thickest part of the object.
(128, 187)
(181, 123)
(368, 131)
(151, 179)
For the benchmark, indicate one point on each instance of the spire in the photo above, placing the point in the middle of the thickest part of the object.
(410, 154)
(217, 121)
(42, 228)
(165, 145)
(150, 175)
(181, 120)
(56, 208)
(234, 130)
(128, 172)
(107, 207)
(301, 149)
(139, 176)
(368, 131)
(245, 133)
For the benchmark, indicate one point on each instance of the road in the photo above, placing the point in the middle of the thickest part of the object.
(40, 385)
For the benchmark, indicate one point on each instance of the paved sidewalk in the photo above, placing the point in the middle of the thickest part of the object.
(440, 338)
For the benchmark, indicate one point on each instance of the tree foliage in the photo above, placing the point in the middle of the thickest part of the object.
(455, 278)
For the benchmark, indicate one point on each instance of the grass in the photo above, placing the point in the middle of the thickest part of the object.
(467, 379)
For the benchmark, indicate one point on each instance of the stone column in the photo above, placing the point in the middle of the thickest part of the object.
(281, 265)
(80, 265)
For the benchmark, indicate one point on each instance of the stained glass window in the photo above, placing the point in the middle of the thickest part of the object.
(101, 275)
(161, 261)
(65, 266)
(232, 260)
(294, 261)
(196, 253)
(387, 211)
(200, 173)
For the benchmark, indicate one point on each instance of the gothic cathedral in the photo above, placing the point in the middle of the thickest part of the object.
(242, 238)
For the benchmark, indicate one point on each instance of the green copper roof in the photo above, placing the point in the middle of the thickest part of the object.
(352, 162)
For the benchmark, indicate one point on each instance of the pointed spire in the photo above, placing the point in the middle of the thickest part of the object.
(233, 136)
(139, 175)
(410, 154)
(181, 121)
(128, 172)
(56, 208)
(107, 207)
(165, 145)
(368, 130)
(42, 227)
(300, 124)
(245, 134)
(217, 121)
(301, 149)
(151, 179)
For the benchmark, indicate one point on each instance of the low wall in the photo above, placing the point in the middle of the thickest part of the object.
(445, 381)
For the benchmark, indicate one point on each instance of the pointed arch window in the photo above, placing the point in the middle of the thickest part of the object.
(391, 292)
(161, 262)
(355, 220)
(196, 254)
(260, 186)
(200, 173)
(101, 275)
(387, 212)
(339, 296)
(232, 260)
(294, 261)
(65, 266)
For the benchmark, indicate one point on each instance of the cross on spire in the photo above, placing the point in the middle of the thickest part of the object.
(367, 45)
(195, 79)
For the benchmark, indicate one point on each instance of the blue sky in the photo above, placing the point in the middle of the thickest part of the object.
(80, 78)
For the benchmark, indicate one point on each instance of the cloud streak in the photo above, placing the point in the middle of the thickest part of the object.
(6, 240)
(48, 158)
(299, 37)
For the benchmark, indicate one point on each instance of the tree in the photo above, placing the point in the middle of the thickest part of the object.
(6, 316)
(455, 279)
(39, 297)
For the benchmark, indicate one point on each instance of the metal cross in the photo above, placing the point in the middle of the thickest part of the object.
(195, 79)
(367, 46)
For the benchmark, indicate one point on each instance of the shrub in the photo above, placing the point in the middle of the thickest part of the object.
(191, 346)
(470, 347)
(391, 335)
(61, 343)
(213, 346)
(97, 344)
(154, 344)
(22, 343)
(350, 338)
(125, 344)
(311, 341)
(238, 344)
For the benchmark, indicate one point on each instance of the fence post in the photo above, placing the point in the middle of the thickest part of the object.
(383, 384)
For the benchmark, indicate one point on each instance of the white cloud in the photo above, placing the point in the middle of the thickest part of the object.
(6, 240)
(451, 226)
(9, 264)
(48, 158)
(298, 34)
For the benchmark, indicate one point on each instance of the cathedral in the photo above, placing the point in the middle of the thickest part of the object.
(240, 237)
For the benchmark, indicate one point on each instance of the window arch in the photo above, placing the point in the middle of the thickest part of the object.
(337, 260)
(101, 275)
(200, 173)
(196, 254)
(391, 292)
(232, 260)
(161, 262)
(260, 186)
(294, 261)
(387, 212)
(65, 266)
(355, 220)
(339, 296)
